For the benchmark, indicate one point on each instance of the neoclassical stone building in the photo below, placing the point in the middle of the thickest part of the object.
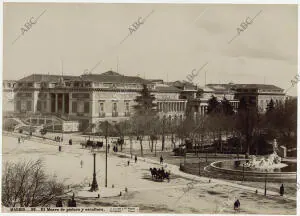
(91, 98)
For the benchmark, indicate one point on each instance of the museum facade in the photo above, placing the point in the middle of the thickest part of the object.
(91, 98)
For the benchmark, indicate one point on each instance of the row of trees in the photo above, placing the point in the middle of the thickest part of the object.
(253, 127)
(246, 123)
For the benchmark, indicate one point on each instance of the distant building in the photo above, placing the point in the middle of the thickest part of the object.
(259, 95)
(8, 96)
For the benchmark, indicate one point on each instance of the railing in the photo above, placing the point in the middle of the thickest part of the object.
(102, 115)
(114, 114)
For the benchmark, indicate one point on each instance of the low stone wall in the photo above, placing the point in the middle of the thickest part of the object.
(252, 175)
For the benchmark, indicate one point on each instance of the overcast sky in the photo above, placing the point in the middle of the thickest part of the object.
(173, 40)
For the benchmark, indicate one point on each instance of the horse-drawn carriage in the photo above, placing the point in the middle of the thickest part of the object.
(92, 144)
(159, 174)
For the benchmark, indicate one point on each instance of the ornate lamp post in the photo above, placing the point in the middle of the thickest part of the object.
(106, 136)
(266, 184)
(94, 186)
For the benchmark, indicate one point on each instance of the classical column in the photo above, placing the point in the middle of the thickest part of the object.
(63, 103)
(70, 104)
(56, 103)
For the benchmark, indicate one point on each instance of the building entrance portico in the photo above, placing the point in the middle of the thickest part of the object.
(59, 103)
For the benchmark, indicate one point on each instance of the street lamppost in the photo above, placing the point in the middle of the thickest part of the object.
(106, 134)
(266, 184)
(199, 166)
(94, 186)
(243, 172)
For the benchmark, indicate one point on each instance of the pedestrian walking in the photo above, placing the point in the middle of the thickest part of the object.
(81, 163)
(72, 202)
(135, 158)
(19, 140)
(128, 162)
(59, 203)
(108, 147)
(281, 190)
(237, 205)
(161, 159)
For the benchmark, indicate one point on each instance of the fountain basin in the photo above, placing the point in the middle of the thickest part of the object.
(229, 168)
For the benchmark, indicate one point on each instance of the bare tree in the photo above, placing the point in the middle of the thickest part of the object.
(25, 184)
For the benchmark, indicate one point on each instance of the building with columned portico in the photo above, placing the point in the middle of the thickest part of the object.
(91, 98)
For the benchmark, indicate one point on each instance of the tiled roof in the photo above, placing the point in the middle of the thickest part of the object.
(167, 89)
(219, 87)
(226, 87)
(184, 85)
(257, 86)
(109, 76)
(113, 77)
(46, 78)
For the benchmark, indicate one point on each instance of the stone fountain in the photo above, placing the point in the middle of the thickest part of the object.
(269, 162)
(256, 168)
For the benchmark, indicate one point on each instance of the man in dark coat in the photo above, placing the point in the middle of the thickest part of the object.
(72, 202)
(281, 190)
(59, 203)
(237, 205)
(161, 159)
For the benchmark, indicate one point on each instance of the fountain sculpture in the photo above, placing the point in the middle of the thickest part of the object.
(270, 162)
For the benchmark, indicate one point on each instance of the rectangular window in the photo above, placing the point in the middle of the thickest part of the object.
(74, 107)
(114, 107)
(86, 107)
(28, 105)
(114, 110)
(39, 106)
(101, 107)
(127, 107)
(18, 105)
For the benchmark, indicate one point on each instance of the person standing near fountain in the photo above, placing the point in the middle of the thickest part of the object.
(281, 190)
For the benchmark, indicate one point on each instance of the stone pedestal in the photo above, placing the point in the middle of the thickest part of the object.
(282, 151)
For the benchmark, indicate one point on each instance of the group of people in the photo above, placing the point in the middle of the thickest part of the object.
(58, 139)
(135, 160)
(236, 205)
(71, 202)
(20, 139)
(115, 148)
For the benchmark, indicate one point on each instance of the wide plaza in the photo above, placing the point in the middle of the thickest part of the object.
(185, 193)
